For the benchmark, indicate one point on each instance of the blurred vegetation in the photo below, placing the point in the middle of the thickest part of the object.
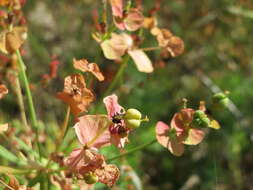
(218, 56)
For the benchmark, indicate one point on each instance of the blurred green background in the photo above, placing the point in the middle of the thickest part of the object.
(218, 36)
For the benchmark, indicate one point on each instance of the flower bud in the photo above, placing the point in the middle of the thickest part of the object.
(132, 114)
(90, 178)
(133, 123)
(220, 100)
(200, 119)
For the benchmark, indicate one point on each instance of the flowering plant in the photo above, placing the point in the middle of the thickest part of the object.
(120, 38)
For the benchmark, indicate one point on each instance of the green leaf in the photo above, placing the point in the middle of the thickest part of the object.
(9, 170)
(10, 156)
(28, 149)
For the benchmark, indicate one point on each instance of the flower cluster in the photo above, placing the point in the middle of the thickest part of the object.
(115, 45)
(95, 131)
(186, 128)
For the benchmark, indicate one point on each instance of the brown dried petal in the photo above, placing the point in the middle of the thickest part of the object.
(108, 175)
(3, 42)
(134, 19)
(149, 22)
(81, 161)
(85, 66)
(13, 183)
(163, 37)
(15, 38)
(75, 94)
(92, 160)
(10, 41)
(3, 91)
(175, 46)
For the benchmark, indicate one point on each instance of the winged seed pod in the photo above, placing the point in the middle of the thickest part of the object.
(200, 119)
(10, 41)
(220, 100)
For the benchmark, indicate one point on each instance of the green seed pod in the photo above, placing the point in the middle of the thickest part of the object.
(199, 114)
(200, 119)
(172, 133)
(220, 100)
(90, 178)
(132, 114)
(133, 123)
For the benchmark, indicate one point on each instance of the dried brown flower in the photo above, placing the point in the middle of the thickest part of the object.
(76, 94)
(173, 44)
(3, 91)
(10, 41)
(85, 66)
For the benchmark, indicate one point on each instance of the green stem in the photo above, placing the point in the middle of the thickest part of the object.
(17, 89)
(29, 97)
(132, 150)
(28, 91)
(150, 48)
(64, 130)
(105, 14)
(118, 75)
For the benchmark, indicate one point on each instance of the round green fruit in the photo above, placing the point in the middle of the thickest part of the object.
(90, 178)
(199, 114)
(200, 119)
(220, 100)
(133, 123)
(132, 114)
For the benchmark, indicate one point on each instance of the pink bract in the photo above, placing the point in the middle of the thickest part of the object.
(181, 121)
(194, 137)
(89, 126)
(174, 145)
(179, 132)
(112, 106)
(117, 8)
